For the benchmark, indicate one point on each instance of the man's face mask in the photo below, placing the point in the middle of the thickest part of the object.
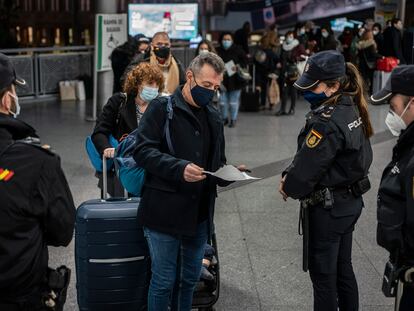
(162, 52)
(202, 96)
(395, 123)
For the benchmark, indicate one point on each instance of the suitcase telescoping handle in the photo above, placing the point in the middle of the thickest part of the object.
(253, 81)
(105, 180)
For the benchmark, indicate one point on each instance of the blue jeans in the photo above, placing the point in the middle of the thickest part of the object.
(230, 99)
(176, 267)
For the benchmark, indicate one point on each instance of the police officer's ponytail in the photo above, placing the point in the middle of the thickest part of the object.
(355, 88)
(352, 84)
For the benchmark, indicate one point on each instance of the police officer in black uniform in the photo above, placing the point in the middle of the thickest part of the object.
(395, 214)
(329, 175)
(36, 210)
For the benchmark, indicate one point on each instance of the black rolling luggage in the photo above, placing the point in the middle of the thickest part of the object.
(206, 294)
(250, 97)
(113, 265)
(112, 257)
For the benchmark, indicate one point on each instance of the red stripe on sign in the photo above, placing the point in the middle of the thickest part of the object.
(9, 176)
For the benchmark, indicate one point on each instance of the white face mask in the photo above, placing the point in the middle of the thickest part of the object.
(289, 40)
(16, 102)
(203, 51)
(395, 122)
(375, 32)
(325, 34)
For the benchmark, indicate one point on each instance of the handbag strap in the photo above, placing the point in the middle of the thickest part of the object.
(122, 104)
(167, 131)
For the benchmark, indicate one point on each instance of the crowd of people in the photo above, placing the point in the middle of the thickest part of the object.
(329, 173)
(276, 56)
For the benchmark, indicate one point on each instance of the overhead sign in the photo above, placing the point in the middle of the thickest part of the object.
(110, 31)
(269, 15)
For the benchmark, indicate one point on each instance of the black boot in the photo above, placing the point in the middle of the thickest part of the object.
(226, 121)
(280, 113)
(232, 123)
(292, 111)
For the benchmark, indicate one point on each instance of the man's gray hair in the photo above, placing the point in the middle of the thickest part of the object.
(211, 59)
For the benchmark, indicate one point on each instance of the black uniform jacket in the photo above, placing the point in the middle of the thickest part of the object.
(169, 204)
(118, 117)
(332, 150)
(36, 210)
(396, 198)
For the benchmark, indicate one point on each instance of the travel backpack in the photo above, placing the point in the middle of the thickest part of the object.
(132, 176)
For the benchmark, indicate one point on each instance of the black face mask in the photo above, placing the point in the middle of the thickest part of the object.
(162, 52)
(201, 95)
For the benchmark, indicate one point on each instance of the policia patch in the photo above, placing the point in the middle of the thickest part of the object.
(313, 139)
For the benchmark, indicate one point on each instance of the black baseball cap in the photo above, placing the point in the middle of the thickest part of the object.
(321, 66)
(8, 74)
(401, 82)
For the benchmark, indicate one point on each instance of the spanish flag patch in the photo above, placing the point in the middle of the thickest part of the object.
(5, 175)
(313, 139)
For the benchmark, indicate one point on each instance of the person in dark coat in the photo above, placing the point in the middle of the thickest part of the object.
(395, 204)
(393, 40)
(368, 56)
(329, 175)
(346, 39)
(265, 61)
(123, 112)
(328, 41)
(292, 53)
(241, 37)
(177, 205)
(230, 97)
(378, 37)
(120, 58)
(37, 207)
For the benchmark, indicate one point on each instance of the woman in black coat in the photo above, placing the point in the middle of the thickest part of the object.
(368, 56)
(123, 112)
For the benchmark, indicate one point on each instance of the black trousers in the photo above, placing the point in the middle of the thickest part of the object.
(288, 91)
(330, 259)
(407, 299)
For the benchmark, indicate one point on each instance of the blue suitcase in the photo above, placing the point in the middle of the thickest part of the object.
(112, 257)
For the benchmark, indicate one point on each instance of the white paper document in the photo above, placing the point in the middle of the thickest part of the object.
(230, 173)
(230, 68)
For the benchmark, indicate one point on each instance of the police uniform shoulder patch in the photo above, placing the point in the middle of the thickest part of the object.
(313, 139)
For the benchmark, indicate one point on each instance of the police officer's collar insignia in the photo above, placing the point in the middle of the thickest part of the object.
(395, 170)
(5, 174)
(313, 139)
